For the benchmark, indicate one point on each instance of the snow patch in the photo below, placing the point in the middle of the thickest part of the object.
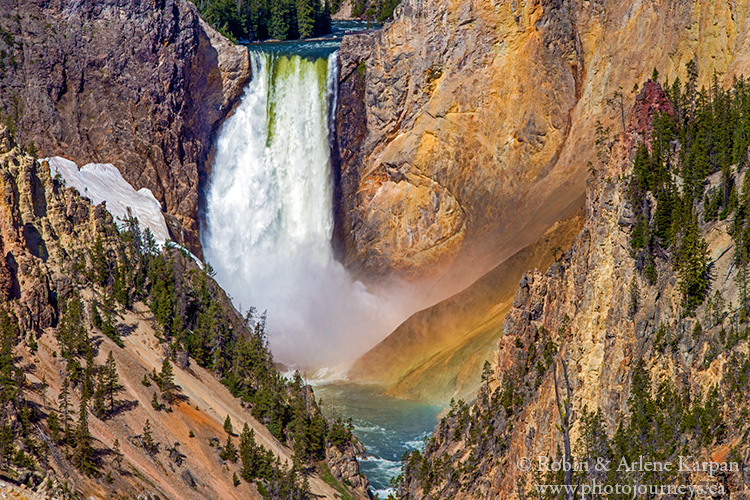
(103, 182)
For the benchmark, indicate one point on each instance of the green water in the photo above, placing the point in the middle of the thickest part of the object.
(387, 427)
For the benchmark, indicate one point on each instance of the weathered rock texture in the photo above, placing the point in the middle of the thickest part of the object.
(142, 84)
(466, 127)
(342, 460)
(582, 305)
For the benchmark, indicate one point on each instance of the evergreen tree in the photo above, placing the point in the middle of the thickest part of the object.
(229, 452)
(306, 17)
(9, 372)
(155, 403)
(228, 425)
(99, 264)
(692, 267)
(166, 380)
(64, 405)
(147, 439)
(111, 380)
(278, 24)
(84, 452)
(98, 406)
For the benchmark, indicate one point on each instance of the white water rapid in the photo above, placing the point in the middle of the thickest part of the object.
(269, 221)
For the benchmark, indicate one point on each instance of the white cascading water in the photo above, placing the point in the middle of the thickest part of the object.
(269, 218)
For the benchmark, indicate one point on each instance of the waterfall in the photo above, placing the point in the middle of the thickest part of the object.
(268, 217)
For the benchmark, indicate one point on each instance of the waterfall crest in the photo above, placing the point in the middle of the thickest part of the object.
(269, 220)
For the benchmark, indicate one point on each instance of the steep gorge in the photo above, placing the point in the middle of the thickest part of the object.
(59, 250)
(438, 353)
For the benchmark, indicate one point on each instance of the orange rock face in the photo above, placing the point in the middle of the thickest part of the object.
(480, 116)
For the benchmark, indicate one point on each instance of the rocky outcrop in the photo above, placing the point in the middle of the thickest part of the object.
(142, 84)
(596, 311)
(479, 117)
(342, 460)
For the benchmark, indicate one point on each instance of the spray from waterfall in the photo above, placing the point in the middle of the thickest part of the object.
(269, 218)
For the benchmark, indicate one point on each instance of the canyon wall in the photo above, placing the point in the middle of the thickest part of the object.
(142, 84)
(466, 128)
(50, 238)
(597, 312)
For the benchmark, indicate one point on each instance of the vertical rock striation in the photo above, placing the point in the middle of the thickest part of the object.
(582, 310)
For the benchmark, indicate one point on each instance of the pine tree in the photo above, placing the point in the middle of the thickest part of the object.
(305, 18)
(64, 405)
(111, 380)
(229, 452)
(108, 321)
(278, 25)
(155, 403)
(248, 454)
(692, 266)
(9, 389)
(99, 263)
(84, 452)
(228, 425)
(147, 439)
(166, 380)
(119, 286)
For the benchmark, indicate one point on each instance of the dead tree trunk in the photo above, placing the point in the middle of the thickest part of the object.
(564, 408)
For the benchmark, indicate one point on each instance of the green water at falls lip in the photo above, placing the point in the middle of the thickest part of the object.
(388, 427)
(318, 48)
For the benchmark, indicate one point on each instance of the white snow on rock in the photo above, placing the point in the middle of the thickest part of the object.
(103, 182)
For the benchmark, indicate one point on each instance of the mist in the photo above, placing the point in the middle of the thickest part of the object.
(268, 221)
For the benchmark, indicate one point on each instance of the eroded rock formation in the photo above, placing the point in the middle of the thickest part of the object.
(142, 84)
(582, 311)
(479, 118)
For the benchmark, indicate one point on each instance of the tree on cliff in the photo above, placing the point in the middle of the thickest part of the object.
(692, 266)
(84, 452)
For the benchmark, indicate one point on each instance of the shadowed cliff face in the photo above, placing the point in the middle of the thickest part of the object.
(142, 84)
(479, 119)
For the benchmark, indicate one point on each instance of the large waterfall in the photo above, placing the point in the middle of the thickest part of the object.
(269, 220)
